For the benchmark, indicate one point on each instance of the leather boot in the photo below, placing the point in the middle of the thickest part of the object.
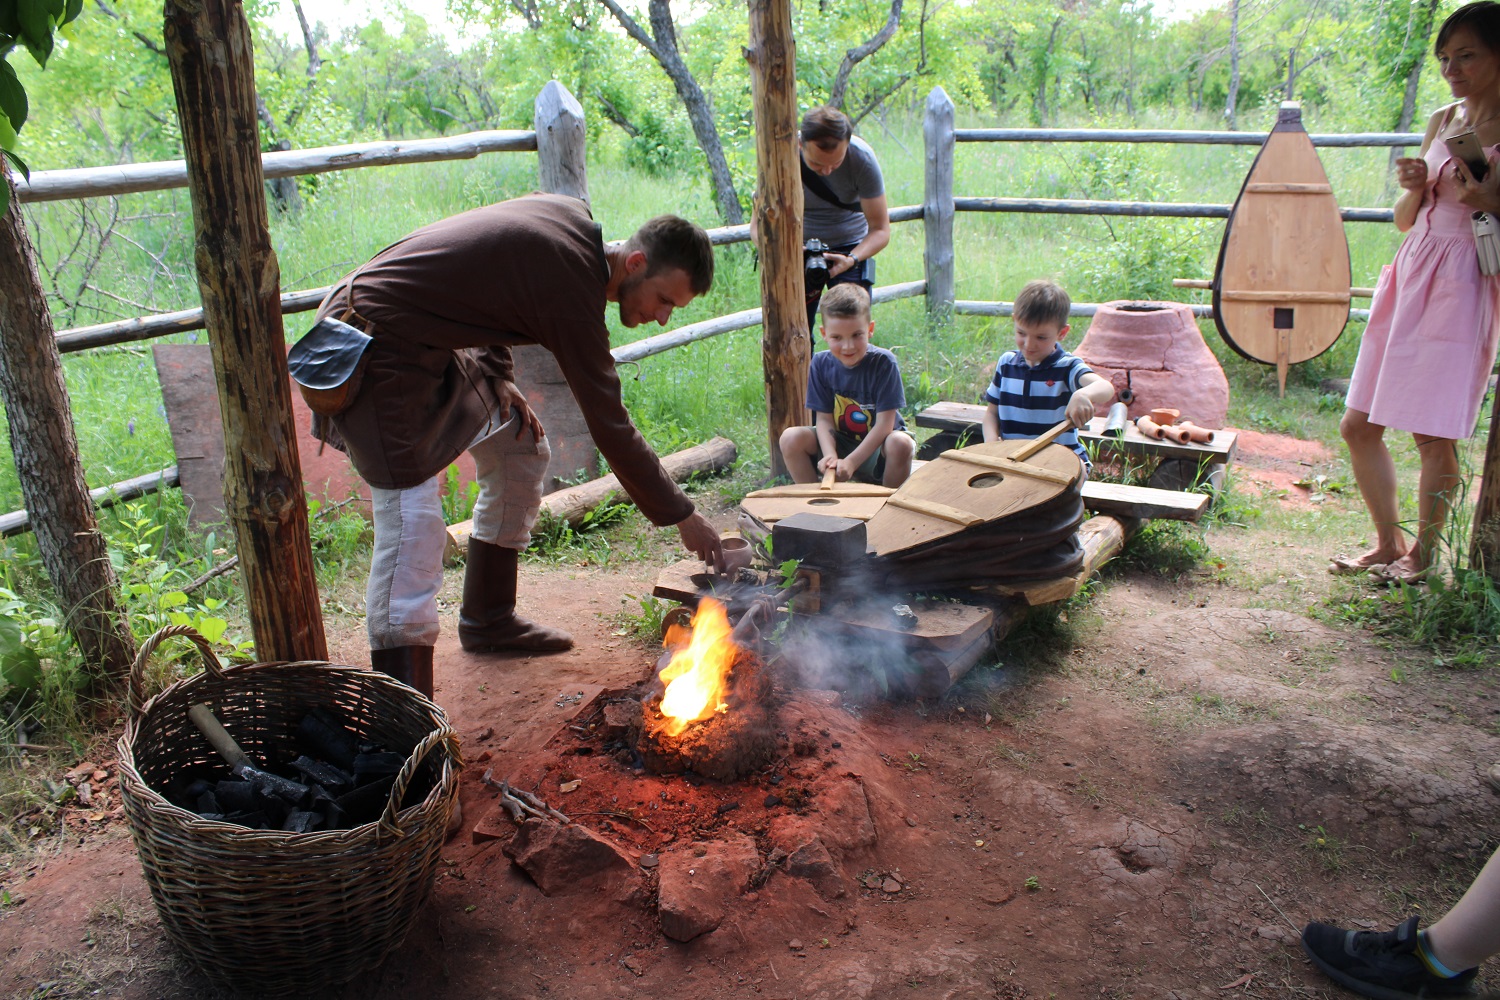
(487, 621)
(411, 665)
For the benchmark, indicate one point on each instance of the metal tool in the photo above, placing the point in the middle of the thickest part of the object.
(239, 761)
(1114, 424)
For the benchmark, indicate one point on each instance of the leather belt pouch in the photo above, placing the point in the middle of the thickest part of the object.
(327, 365)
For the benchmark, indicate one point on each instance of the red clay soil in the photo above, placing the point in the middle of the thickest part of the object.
(1152, 814)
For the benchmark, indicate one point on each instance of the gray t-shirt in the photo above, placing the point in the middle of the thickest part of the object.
(857, 177)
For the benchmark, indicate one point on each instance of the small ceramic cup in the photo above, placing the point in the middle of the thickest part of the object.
(738, 554)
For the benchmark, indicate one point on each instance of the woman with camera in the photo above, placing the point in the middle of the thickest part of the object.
(1429, 346)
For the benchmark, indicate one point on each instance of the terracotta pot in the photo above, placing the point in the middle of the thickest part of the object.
(1165, 416)
(738, 554)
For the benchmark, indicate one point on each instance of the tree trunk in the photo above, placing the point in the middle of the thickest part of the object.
(45, 448)
(1484, 549)
(786, 344)
(1413, 79)
(209, 50)
(853, 57)
(1234, 63)
(662, 44)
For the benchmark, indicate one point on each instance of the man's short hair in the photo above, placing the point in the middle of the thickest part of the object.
(669, 241)
(1042, 301)
(826, 127)
(846, 301)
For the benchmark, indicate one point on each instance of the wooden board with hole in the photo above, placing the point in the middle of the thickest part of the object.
(854, 500)
(1281, 287)
(967, 488)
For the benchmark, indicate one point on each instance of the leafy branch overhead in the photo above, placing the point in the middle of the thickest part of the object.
(30, 23)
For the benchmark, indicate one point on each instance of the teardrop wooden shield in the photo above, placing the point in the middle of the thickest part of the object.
(964, 488)
(1281, 288)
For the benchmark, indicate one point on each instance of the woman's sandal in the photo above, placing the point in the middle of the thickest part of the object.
(1351, 565)
(1389, 577)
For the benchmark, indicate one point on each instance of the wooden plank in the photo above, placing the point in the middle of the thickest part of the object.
(1144, 502)
(1327, 298)
(772, 509)
(815, 490)
(938, 510)
(965, 417)
(1206, 285)
(1267, 187)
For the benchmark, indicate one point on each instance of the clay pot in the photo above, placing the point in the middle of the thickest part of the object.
(1157, 349)
(1165, 416)
(738, 554)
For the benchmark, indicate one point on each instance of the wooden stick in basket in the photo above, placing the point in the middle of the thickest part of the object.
(239, 761)
(1037, 444)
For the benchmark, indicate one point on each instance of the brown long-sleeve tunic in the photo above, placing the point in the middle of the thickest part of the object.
(444, 304)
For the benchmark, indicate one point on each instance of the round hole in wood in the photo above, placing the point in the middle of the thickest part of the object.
(823, 502)
(985, 480)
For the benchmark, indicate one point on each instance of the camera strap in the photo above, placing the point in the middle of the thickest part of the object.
(816, 185)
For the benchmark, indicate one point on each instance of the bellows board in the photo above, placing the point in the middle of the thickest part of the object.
(1281, 289)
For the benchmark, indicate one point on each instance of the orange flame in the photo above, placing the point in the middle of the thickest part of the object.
(695, 675)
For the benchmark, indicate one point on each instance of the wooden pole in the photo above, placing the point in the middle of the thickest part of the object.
(786, 343)
(558, 118)
(937, 205)
(1484, 550)
(212, 62)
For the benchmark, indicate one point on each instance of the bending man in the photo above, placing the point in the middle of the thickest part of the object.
(442, 307)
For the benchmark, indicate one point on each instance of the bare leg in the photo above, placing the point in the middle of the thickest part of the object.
(899, 449)
(1376, 475)
(1470, 932)
(799, 449)
(1437, 486)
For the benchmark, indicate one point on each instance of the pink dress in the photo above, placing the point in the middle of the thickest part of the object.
(1428, 348)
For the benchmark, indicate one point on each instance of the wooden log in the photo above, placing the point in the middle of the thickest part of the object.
(937, 204)
(968, 307)
(558, 118)
(1484, 547)
(1207, 285)
(125, 331)
(19, 521)
(44, 446)
(1190, 136)
(575, 502)
(786, 343)
(212, 62)
(128, 178)
(1146, 209)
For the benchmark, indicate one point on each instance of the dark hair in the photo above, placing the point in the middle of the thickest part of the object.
(846, 301)
(1042, 301)
(672, 242)
(1482, 18)
(826, 127)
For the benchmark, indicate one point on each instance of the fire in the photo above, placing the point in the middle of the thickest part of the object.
(695, 676)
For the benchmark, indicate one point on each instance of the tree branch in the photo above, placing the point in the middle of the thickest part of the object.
(861, 52)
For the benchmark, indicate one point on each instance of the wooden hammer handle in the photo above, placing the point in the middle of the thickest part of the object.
(217, 735)
(830, 477)
(1037, 444)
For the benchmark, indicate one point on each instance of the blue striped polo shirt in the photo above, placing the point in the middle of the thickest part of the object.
(1031, 400)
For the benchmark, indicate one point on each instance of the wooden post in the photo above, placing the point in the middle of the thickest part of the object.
(212, 62)
(786, 345)
(560, 142)
(1484, 550)
(937, 205)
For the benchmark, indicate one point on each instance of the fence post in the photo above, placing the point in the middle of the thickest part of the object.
(937, 205)
(558, 119)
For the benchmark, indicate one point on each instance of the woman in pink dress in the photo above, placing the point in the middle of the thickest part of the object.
(1426, 355)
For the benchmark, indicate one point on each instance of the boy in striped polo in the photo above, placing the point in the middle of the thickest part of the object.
(1039, 384)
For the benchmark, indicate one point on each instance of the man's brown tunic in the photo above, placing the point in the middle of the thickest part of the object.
(444, 304)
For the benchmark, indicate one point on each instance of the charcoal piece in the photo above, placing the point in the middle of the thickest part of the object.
(301, 821)
(237, 796)
(367, 802)
(323, 737)
(316, 772)
(207, 803)
(256, 820)
(334, 817)
(185, 794)
(374, 765)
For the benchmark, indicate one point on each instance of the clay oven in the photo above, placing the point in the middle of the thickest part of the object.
(1157, 350)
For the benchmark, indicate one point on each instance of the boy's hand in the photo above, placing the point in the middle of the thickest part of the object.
(1080, 409)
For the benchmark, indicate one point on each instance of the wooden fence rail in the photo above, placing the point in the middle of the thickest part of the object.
(1189, 136)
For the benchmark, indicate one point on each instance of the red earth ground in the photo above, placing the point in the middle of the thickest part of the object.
(1146, 801)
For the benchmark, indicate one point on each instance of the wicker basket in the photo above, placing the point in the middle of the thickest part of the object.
(267, 911)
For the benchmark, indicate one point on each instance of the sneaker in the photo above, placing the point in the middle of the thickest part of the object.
(1384, 965)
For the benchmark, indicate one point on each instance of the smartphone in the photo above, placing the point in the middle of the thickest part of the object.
(1467, 148)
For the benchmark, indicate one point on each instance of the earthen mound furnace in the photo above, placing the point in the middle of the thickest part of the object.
(1157, 350)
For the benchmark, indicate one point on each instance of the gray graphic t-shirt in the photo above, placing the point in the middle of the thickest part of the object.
(857, 177)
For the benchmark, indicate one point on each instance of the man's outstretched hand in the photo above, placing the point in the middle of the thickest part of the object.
(701, 539)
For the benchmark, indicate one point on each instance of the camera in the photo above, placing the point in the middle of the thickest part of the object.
(814, 267)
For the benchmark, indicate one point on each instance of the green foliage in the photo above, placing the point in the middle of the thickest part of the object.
(20, 666)
(458, 499)
(1166, 548)
(648, 622)
(553, 537)
(29, 23)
